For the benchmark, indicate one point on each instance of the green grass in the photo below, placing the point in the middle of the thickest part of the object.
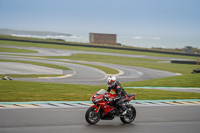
(54, 46)
(130, 61)
(101, 58)
(188, 80)
(107, 70)
(16, 91)
(33, 75)
(16, 50)
(37, 63)
(36, 91)
(29, 75)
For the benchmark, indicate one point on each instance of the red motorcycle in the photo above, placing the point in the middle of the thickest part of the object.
(105, 108)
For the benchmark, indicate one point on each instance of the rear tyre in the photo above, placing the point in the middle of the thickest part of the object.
(130, 115)
(91, 117)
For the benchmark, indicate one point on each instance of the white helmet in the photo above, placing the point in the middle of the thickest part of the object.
(111, 81)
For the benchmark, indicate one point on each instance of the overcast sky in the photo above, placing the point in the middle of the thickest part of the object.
(159, 17)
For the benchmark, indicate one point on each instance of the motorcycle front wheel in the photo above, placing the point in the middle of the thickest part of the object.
(91, 117)
(130, 115)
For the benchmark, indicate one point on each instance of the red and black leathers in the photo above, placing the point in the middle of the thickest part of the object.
(119, 90)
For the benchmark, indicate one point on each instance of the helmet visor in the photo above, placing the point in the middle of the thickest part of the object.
(111, 83)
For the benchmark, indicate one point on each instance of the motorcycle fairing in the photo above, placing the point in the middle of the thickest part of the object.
(107, 108)
(96, 107)
(131, 96)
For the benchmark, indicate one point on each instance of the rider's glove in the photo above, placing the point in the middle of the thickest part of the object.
(110, 99)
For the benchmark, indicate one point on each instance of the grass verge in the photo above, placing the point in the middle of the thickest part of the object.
(54, 46)
(29, 75)
(35, 91)
(33, 75)
(16, 50)
(107, 70)
(130, 61)
(37, 63)
(188, 80)
(17, 91)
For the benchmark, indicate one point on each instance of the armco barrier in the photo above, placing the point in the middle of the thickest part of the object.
(184, 62)
(98, 46)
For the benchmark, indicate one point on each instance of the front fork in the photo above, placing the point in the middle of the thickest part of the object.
(97, 108)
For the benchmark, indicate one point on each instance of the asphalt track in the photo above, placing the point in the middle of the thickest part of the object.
(86, 75)
(63, 52)
(91, 76)
(23, 68)
(149, 119)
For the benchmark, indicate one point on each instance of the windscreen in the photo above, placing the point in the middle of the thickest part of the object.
(101, 91)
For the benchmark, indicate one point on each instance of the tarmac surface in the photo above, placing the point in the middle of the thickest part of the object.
(149, 119)
(62, 52)
(81, 74)
(159, 117)
(92, 76)
(23, 68)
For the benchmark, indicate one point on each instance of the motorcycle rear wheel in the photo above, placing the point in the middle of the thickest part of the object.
(91, 117)
(130, 115)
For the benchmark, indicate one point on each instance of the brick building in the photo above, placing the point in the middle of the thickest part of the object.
(103, 38)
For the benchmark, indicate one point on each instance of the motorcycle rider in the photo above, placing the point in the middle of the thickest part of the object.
(119, 90)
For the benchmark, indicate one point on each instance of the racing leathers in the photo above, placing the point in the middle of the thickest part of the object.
(121, 94)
